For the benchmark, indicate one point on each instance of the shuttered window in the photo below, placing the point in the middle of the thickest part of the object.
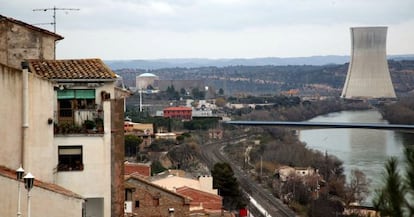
(76, 94)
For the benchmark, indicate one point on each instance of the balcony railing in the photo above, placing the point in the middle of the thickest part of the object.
(81, 121)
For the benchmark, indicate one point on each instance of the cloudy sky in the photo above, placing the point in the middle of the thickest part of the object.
(152, 29)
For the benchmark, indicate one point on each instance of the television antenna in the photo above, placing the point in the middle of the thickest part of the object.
(54, 9)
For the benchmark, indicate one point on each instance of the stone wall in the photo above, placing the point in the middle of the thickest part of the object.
(18, 42)
(156, 201)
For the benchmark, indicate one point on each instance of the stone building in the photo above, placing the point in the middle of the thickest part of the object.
(19, 41)
(143, 199)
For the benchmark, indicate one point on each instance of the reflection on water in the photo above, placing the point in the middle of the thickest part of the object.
(364, 149)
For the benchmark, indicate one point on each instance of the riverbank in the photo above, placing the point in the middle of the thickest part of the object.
(363, 149)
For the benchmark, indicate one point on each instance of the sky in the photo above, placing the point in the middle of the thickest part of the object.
(155, 29)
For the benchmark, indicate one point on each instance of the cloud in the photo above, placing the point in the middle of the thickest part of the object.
(117, 29)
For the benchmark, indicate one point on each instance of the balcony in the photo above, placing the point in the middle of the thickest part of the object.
(80, 121)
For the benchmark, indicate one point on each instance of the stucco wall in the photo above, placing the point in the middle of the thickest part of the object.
(10, 116)
(43, 202)
(95, 179)
(39, 133)
(18, 43)
(40, 149)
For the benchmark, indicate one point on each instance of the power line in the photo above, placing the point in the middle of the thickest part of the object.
(54, 14)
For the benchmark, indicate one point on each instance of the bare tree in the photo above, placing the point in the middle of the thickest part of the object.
(357, 190)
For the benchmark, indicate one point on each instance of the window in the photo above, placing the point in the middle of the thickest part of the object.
(155, 201)
(74, 99)
(137, 204)
(70, 158)
(128, 194)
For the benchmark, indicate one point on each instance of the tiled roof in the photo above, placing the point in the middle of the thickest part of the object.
(11, 174)
(35, 28)
(145, 182)
(179, 108)
(71, 69)
(132, 168)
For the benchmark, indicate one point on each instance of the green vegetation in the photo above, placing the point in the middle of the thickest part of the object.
(201, 124)
(131, 145)
(156, 167)
(395, 197)
(228, 186)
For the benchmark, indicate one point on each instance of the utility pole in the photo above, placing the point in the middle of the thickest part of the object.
(54, 14)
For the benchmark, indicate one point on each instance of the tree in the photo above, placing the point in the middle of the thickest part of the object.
(228, 186)
(183, 92)
(395, 197)
(156, 167)
(221, 92)
(197, 94)
(220, 102)
(131, 145)
(357, 189)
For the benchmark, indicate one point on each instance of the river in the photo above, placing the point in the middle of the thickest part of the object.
(363, 149)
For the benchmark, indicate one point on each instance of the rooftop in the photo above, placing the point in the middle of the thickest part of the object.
(75, 69)
(179, 108)
(147, 75)
(11, 174)
(35, 28)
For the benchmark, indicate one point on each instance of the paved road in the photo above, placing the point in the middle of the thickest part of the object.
(211, 154)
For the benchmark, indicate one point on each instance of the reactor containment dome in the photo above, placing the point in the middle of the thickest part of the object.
(368, 75)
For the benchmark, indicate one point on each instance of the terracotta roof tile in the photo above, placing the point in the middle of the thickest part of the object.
(71, 69)
(179, 108)
(35, 28)
(145, 182)
(132, 168)
(9, 173)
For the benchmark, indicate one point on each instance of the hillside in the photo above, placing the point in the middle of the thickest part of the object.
(203, 62)
(269, 79)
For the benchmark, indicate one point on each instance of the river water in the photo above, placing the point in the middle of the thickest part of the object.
(363, 149)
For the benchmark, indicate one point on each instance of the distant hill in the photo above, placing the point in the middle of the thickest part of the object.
(320, 80)
(201, 62)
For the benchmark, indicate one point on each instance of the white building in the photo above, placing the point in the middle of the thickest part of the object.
(61, 119)
(60, 202)
(172, 182)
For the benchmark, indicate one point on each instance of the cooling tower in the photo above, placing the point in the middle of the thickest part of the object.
(368, 75)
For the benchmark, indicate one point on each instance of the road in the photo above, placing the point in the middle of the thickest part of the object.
(211, 153)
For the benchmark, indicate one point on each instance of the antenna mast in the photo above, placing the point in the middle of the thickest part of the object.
(54, 13)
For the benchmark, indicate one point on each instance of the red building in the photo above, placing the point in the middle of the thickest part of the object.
(181, 112)
(142, 170)
(202, 201)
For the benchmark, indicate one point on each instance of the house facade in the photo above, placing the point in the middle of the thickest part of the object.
(181, 112)
(64, 119)
(88, 131)
(145, 199)
(60, 202)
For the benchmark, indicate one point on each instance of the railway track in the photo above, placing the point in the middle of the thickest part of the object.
(271, 206)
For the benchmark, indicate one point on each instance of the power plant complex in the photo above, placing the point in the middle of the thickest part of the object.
(368, 75)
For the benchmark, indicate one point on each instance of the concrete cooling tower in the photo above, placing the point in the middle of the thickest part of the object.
(368, 75)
